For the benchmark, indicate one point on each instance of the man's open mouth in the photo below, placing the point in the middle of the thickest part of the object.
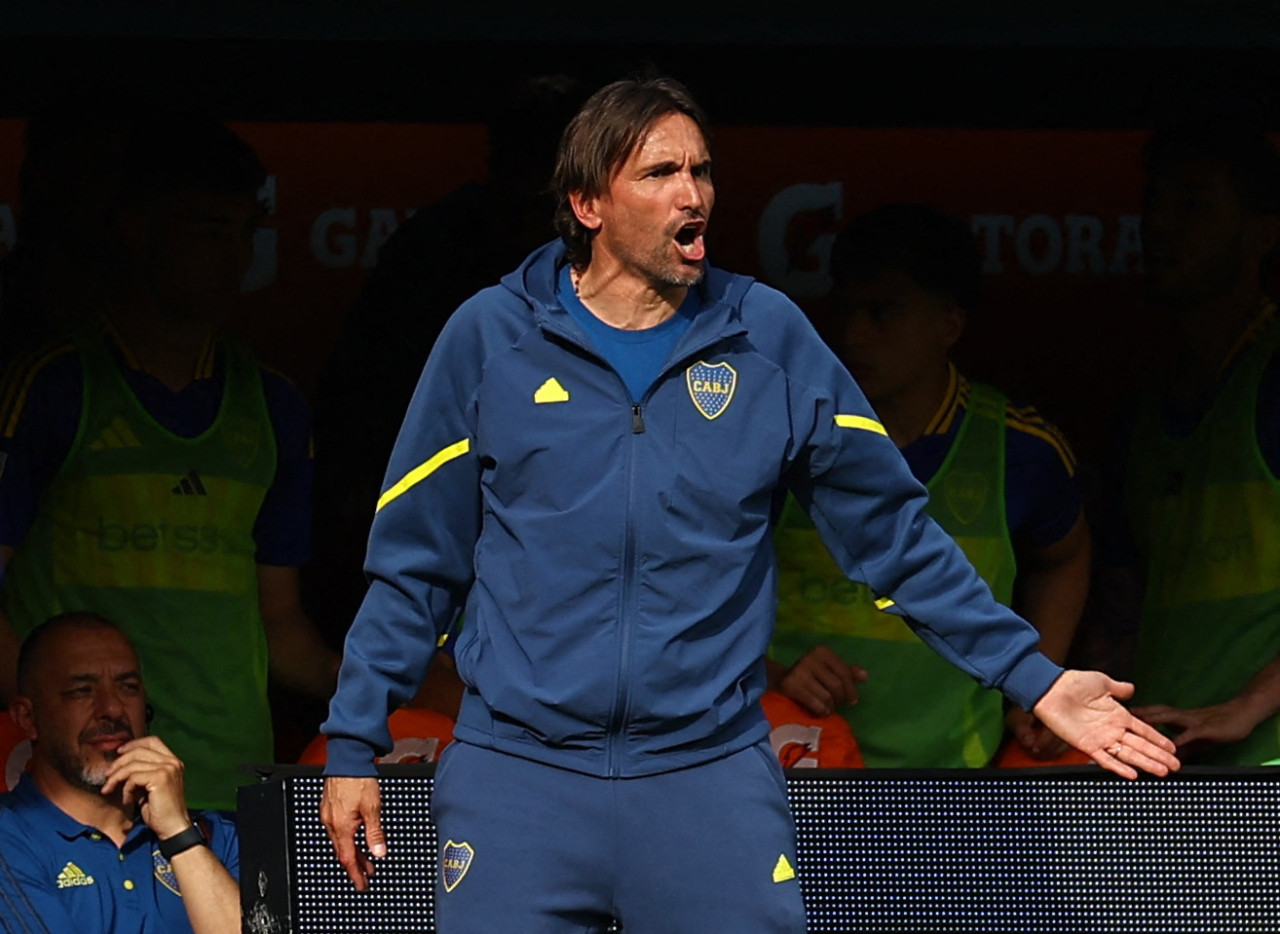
(689, 241)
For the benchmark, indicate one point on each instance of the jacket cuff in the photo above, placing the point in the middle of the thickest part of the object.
(1025, 684)
(351, 758)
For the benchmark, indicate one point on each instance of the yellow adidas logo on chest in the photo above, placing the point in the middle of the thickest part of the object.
(72, 876)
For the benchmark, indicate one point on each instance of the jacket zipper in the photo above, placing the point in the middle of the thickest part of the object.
(615, 730)
(616, 733)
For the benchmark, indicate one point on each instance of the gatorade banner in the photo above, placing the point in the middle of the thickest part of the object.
(1055, 214)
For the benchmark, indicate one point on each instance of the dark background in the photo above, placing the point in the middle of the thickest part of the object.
(1119, 64)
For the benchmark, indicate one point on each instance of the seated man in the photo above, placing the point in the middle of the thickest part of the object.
(97, 836)
(1001, 484)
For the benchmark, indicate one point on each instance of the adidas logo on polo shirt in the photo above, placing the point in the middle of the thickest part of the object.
(72, 875)
(190, 485)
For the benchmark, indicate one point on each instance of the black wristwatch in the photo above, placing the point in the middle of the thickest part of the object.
(183, 841)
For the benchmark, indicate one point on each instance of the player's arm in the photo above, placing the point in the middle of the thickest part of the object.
(1053, 584)
(1053, 544)
(1228, 722)
(40, 401)
(297, 655)
(148, 774)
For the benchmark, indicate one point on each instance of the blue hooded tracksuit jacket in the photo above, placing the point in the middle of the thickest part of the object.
(614, 561)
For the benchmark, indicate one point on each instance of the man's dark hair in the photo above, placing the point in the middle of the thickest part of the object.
(610, 125)
(937, 251)
(169, 151)
(1250, 158)
(33, 645)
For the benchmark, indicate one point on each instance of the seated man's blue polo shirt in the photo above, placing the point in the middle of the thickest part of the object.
(59, 875)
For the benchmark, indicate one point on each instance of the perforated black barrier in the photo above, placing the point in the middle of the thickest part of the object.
(1063, 850)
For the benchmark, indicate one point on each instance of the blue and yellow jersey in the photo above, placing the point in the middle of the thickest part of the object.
(1117, 546)
(1179, 420)
(1203, 508)
(41, 402)
(1042, 495)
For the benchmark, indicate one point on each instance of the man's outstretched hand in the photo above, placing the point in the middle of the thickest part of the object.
(347, 805)
(1083, 708)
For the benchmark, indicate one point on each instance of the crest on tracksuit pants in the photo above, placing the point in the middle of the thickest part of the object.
(454, 863)
(711, 386)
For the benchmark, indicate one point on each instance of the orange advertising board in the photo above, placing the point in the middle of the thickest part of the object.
(1055, 213)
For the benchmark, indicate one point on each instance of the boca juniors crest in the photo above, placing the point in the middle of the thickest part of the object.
(711, 387)
(966, 494)
(164, 872)
(454, 863)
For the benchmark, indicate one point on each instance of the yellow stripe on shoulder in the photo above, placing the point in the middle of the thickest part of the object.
(208, 354)
(424, 470)
(861, 421)
(19, 383)
(957, 396)
(278, 374)
(1029, 421)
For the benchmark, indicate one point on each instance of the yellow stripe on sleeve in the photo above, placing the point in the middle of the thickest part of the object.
(861, 421)
(883, 603)
(424, 470)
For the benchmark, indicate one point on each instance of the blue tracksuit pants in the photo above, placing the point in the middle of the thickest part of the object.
(541, 850)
